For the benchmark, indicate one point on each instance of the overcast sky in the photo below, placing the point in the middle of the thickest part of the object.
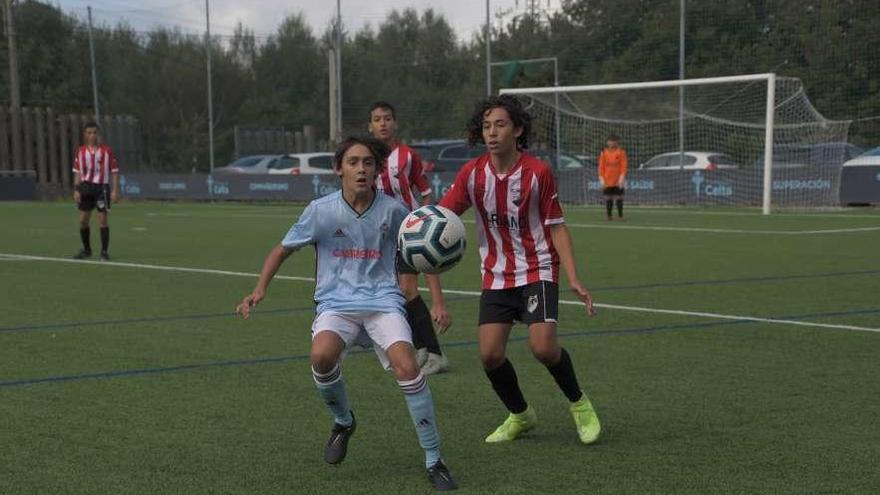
(263, 16)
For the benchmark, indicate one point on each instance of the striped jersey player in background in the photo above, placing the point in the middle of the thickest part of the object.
(354, 233)
(95, 186)
(523, 240)
(404, 179)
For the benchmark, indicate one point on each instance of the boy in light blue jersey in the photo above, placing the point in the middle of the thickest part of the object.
(354, 232)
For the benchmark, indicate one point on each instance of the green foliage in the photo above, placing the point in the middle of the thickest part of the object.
(415, 60)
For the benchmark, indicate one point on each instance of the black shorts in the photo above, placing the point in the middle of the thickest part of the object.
(93, 196)
(537, 302)
(613, 191)
(403, 268)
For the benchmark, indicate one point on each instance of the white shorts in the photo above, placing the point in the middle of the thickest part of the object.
(369, 328)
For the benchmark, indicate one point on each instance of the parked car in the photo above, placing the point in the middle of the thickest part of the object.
(870, 158)
(451, 155)
(431, 151)
(320, 163)
(860, 179)
(253, 164)
(789, 156)
(690, 160)
(566, 161)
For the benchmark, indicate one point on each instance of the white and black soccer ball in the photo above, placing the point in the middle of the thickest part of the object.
(432, 239)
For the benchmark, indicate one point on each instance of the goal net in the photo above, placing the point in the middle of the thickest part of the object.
(693, 142)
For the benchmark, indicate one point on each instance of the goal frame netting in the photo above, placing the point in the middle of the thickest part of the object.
(769, 118)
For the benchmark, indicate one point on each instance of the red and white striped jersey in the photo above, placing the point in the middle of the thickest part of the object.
(514, 213)
(403, 175)
(95, 166)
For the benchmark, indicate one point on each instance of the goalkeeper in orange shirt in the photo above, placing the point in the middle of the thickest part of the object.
(612, 175)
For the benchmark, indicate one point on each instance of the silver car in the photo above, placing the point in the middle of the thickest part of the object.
(253, 164)
(320, 163)
(690, 160)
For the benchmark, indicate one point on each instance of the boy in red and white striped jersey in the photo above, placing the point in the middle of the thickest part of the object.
(523, 240)
(95, 186)
(403, 178)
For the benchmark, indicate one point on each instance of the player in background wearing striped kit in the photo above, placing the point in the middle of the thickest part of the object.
(354, 234)
(95, 186)
(523, 240)
(404, 178)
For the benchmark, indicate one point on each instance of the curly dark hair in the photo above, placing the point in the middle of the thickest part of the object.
(378, 149)
(384, 105)
(518, 115)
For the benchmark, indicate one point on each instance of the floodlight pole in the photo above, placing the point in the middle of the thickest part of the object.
(681, 25)
(94, 69)
(488, 53)
(210, 96)
(338, 69)
(555, 61)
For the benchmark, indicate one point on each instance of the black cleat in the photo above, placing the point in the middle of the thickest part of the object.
(440, 479)
(105, 256)
(83, 254)
(337, 445)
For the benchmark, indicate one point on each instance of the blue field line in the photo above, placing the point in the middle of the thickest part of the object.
(146, 319)
(769, 278)
(60, 326)
(152, 319)
(465, 343)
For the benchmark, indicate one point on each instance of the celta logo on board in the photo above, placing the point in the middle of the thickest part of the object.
(218, 188)
(129, 187)
(703, 187)
(320, 189)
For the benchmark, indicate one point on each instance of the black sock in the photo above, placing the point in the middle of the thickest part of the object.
(105, 239)
(84, 235)
(504, 382)
(609, 205)
(620, 208)
(419, 319)
(564, 375)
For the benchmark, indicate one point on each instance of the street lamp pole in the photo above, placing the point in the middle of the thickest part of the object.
(542, 60)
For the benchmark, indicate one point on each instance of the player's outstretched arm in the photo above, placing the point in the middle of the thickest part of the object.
(562, 241)
(270, 267)
(76, 181)
(114, 189)
(438, 305)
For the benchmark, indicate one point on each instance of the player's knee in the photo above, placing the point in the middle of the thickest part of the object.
(409, 293)
(546, 354)
(492, 358)
(322, 362)
(83, 223)
(407, 370)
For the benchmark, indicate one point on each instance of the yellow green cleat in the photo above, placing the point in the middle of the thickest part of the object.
(586, 420)
(514, 426)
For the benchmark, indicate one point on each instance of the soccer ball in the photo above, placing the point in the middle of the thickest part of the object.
(431, 239)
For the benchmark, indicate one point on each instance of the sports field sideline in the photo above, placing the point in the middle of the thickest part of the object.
(733, 353)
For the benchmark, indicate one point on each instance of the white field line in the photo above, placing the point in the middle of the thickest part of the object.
(835, 231)
(292, 216)
(747, 212)
(710, 230)
(23, 257)
(717, 316)
(221, 215)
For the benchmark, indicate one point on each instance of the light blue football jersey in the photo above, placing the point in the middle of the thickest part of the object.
(356, 254)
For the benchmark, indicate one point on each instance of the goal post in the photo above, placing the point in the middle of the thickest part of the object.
(738, 132)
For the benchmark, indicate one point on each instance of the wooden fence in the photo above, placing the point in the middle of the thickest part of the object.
(44, 142)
